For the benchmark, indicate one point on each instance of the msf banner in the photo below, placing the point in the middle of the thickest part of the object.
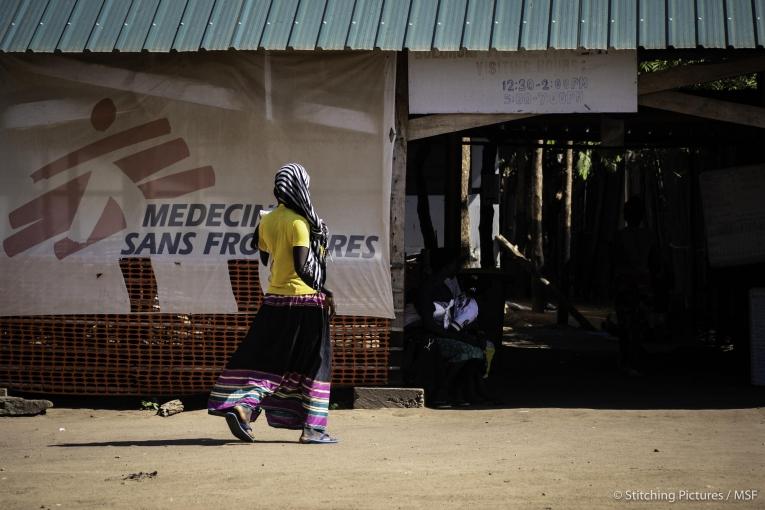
(169, 237)
(172, 158)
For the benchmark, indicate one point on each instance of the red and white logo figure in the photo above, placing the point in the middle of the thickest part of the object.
(53, 212)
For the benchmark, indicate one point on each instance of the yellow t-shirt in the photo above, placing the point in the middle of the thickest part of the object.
(281, 230)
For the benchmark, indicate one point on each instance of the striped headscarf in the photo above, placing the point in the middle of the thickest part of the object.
(291, 188)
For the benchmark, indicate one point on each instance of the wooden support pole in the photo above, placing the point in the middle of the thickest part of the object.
(565, 226)
(537, 233)
(464, 187)
(397, 217)
(529, 266)
(429, 238)
(489, 196)
(452, 196)
(522, 197)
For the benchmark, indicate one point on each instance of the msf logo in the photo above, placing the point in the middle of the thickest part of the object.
(53, 212)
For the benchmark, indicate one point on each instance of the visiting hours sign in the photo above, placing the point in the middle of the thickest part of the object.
(172, 158)
(554, 81)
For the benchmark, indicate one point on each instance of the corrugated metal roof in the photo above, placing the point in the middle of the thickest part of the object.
(417, 25)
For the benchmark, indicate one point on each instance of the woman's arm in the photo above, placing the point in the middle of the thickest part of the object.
(254, 246)
(299, 257)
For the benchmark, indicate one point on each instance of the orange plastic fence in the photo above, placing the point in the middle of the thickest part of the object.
(149, 352)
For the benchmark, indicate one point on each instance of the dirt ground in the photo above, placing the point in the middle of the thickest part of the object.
(421, 458)
(568, 431)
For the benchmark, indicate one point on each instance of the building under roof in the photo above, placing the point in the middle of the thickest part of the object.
(724, 38)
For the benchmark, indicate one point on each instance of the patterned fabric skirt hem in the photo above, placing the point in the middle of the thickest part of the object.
(282, 367)
(290, 401)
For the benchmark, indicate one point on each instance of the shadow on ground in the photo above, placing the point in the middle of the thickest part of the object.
(202, 441)
(565, 367)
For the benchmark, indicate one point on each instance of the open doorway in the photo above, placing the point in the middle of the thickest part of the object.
(699, 312)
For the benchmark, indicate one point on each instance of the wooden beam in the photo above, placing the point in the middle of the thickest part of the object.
(693, 74)
(440, 124)
(705, 107)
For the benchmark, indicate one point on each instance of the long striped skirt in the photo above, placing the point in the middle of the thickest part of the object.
(283, 365)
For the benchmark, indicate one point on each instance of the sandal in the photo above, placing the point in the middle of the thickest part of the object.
(239, 429)
(323, 438)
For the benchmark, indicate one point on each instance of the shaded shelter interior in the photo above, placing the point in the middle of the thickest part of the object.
(702, 310)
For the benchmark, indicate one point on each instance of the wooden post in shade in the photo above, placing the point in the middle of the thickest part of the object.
(489, 196)
(565, 228)
(464, 186)
(537, 235)
(521, 218)
(452, 196)
(397, 216)
(429, 238)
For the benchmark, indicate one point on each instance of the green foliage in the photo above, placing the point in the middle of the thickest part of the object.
(149, 405)
(743, 82)
(608, 160)
(611, 161)
(584, 164)
(652, 66)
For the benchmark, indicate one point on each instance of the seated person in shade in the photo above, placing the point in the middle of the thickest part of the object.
(448, 314)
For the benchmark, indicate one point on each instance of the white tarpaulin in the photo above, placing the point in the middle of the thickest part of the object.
(172, 157)
(554, 81)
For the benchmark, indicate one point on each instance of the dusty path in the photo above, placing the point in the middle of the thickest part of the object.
(505, 458)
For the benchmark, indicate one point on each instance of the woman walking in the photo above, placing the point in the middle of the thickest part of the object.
(283, 365)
